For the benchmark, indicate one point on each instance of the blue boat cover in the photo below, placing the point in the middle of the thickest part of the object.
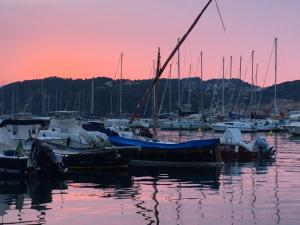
(195, 144)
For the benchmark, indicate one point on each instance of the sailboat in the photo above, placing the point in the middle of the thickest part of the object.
(194, 120)
(117, 122)
(155, 153)
(271, 124)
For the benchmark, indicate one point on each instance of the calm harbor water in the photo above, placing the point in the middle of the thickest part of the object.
(263, 192)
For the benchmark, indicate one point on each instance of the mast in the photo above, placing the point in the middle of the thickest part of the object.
(190, 91)
(201, 64)
(2, 99)
(275, 88)
(252, 81)
(83, 106)
(256, 72)
(56, 92)
(92, 98)
(178, 71)
(230, 67)
(240, 67)
(148, 91)
(155, 116)
(13, 100)
(170, 89)
(42, 97)
(223, 88)
(121, 87)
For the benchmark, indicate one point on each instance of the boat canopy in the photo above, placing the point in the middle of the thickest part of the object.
(148, 145)
(23, 122)
(232, 136)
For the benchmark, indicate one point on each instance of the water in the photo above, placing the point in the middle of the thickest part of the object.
(252, 193)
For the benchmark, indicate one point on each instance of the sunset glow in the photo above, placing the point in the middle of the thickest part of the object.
(82, 39)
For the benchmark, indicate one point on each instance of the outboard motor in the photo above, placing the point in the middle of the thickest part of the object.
(44, 160)
(262, 145)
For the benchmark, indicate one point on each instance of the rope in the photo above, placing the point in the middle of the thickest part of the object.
(246, 71)
(260, 97)
(112, 88)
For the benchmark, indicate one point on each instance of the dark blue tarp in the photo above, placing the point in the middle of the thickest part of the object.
(195, 144)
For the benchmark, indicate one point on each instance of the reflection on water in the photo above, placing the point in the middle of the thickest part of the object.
(261, 192)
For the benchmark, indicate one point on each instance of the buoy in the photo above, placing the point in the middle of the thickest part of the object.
(199, 129)
(270, 133)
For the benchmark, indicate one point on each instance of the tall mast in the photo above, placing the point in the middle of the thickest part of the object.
(223, 88)
(190, 91)
(170, 89)
(240, 67)
(45, 101)
(155, 116)
(179, 86)
(252, 82)
(230, 67)
(92, 98)
(2, 99)
(256, 72)
(56, 93)
(165, 64)
(13, 99)
(201, 64)
(275, 88)
(121, 87)
(42, 97)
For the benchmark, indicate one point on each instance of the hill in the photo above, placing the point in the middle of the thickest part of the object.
(53, 93)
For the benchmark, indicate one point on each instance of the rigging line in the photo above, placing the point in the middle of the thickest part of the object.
(112, 88)
(260, 97)
(184, 60)
(245, 73)
(190, 49)
(165, 90)
(197, 66)
(214, 90)
(220, 15)
(150, 78)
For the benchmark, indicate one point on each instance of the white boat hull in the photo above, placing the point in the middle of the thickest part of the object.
(222, 127)
(183, 125)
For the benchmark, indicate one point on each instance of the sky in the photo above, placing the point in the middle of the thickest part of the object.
(84, 38)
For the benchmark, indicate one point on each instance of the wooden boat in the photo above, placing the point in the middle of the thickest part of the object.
(186, 154)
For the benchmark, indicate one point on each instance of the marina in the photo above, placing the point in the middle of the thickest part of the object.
(256, 192)
(209, 137)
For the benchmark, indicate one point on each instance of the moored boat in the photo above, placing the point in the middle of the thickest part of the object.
(233, 148)
(293, 128)
(190, 153)
(244, 126)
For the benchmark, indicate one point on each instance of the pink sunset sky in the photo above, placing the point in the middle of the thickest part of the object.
(84, 38)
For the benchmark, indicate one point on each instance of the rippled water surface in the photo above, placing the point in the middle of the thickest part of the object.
(264, 193)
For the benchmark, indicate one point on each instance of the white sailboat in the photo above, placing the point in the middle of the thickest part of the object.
(271, 124)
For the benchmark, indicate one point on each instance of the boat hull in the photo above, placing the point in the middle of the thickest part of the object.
(181, 154)
(223, 128)
(295, 130)
(229, 154)
(184, 125)
(14, 164)
(98, 159)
